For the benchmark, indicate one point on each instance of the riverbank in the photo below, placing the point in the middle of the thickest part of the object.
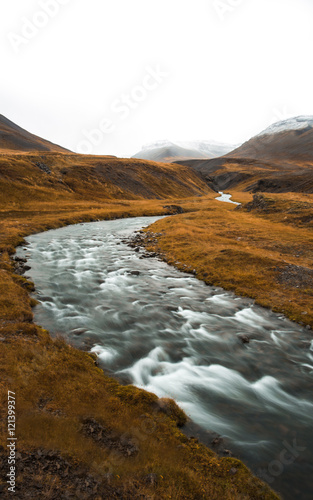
(263, 249)
(222, 358)
(88, 435)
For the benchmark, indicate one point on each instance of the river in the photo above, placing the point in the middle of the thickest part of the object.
(169, 333)
(226, 198)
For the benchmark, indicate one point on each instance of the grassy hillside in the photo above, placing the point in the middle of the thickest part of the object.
(32, 179)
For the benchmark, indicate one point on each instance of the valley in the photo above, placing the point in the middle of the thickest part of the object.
(72, 415)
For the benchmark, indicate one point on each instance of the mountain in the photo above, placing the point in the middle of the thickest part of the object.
(14, 138)
(295, 123)
(166, 151)
(211, 148)
(289, 140)
(279, 159)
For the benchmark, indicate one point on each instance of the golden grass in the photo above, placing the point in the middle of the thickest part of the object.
(27, 180)
(245, 251)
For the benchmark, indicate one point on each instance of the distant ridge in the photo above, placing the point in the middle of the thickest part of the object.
(166, 151)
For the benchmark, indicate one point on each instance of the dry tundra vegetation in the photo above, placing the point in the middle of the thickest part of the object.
(264, 250)
(80, 433)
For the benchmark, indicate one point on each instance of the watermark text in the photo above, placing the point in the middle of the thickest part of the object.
(11, 442)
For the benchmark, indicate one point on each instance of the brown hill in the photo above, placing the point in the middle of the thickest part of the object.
(294, 146)
(14, 138)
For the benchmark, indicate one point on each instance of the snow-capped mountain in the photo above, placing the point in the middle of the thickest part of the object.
(212, 148)
(287, 141)
(167, 151)
(295, 123)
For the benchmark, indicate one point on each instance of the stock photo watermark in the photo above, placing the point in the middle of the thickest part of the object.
(11, 475)
(287, 457)
(281, 114)
(121, 108)
(32, 25)
(225, 7)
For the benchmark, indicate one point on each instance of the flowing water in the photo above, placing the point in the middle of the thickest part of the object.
(169, 333)
(226, 198)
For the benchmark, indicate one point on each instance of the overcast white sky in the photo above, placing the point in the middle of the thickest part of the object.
(130, 72)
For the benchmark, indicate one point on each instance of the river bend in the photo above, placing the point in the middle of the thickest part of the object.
(169, 333)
